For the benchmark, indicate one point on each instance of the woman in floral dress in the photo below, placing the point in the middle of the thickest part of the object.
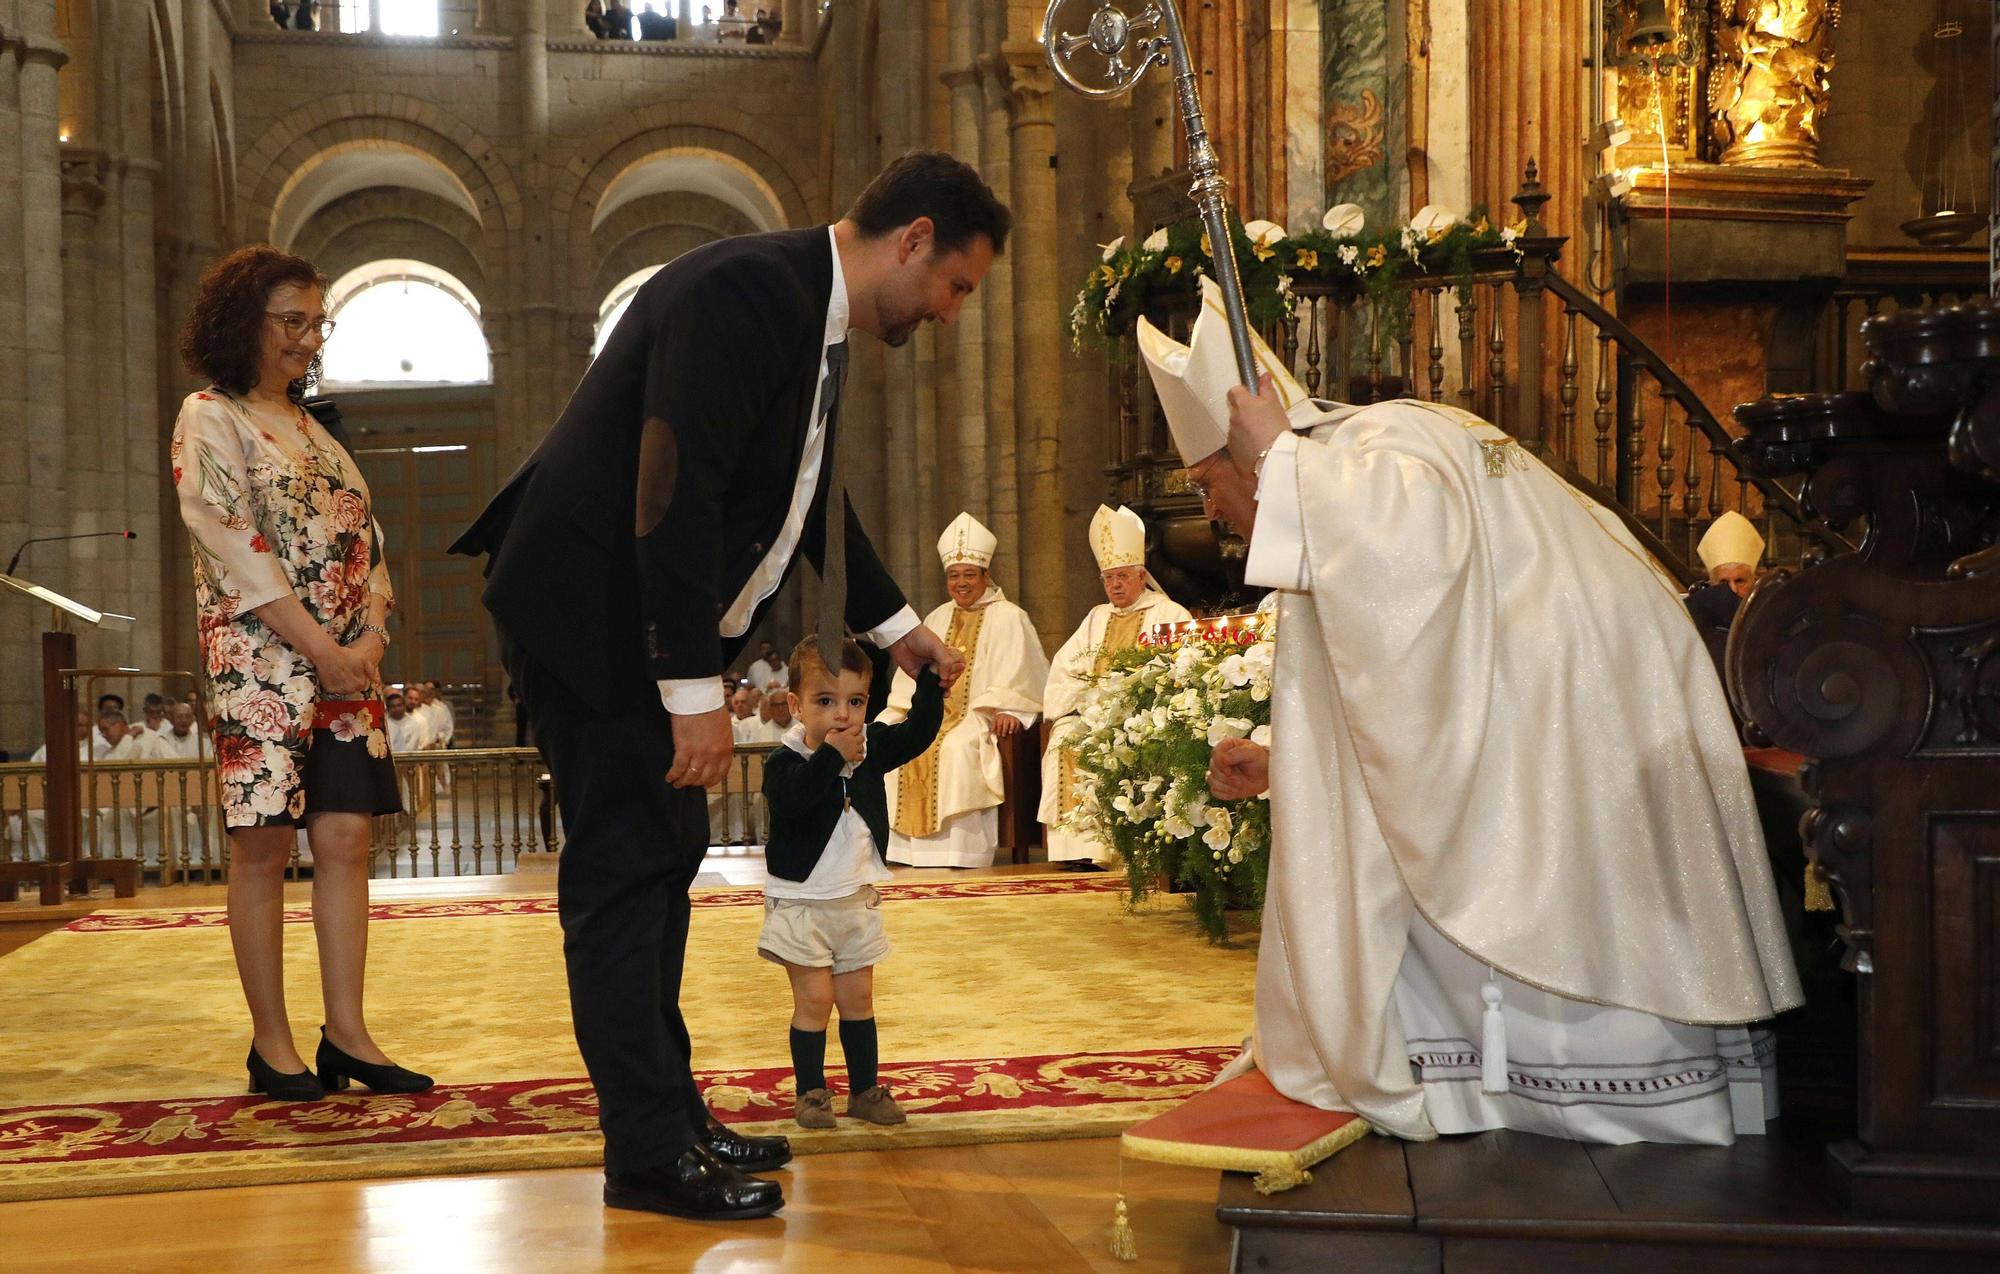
(292, 595)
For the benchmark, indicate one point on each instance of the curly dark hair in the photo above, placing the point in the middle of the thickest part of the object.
(224, 337)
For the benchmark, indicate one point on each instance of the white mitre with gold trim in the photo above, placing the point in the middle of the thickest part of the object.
(1194, 380)
(965, 541)
(1118, 538)
(1732, 538)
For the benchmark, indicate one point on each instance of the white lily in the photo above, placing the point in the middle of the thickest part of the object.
(1156, 241)
(1263, 233)
(1111, 248)
(1433, 219)
(1344, 220)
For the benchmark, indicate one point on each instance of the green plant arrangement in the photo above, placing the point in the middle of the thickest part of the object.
(1340, 252)
(1152, 720)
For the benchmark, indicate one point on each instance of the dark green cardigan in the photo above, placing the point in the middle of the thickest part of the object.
(807, 795)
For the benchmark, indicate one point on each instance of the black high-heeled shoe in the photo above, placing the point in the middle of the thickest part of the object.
(297, 1086)
(337, 1068)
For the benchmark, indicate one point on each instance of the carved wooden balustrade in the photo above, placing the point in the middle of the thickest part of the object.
(1514, 342)
(1882, 665)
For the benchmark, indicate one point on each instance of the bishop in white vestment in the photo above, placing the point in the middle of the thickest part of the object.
(1134, 606)
(1517, 878)
(944, 807)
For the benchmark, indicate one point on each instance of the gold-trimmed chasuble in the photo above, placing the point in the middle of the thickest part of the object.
(917, 784)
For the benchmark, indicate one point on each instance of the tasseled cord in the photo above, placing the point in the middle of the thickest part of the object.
(1124, 1243)
(1819, 897)
(1492, 1037)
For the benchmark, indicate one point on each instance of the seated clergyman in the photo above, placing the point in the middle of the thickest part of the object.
(944, 807)
(1517, 878)
(1134, 605)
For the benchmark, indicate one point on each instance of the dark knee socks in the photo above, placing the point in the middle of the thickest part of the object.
(857, 1045)
(809, 1058)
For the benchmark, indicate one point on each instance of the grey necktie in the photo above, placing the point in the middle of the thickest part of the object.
(833, 558)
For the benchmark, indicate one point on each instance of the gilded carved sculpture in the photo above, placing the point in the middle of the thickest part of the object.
(1768, 82)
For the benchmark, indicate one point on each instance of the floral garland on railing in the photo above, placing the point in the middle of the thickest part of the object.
(1270, 262)
(1151, 721)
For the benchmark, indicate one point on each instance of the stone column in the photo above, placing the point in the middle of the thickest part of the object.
(42, 277)
(1038, 348)
(996, 165)
(85, 435)
(896, 51)
(966, 433)
(795, 20)
(1530, 103)
(20, 676)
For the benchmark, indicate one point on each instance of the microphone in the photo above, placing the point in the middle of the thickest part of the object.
(49, 539)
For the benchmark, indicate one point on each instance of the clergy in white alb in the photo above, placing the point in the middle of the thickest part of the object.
(1133, 607)
(1517, 878)
(944, 807)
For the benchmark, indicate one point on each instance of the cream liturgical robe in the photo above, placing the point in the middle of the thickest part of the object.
(1502, 768)
(1104, 632)
(944, 806)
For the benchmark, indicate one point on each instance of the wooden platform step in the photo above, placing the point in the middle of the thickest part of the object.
(1508, 1201)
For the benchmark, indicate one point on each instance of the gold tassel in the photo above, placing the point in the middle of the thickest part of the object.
(1124, 1243)
(1277, 1180)
(1819, 897)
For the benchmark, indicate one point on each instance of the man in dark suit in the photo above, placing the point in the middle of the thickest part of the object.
(655, 25)
(641, 542)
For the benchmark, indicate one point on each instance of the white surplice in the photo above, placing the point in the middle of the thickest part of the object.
(1063, 700)
(1500, 755)
(1005, 672)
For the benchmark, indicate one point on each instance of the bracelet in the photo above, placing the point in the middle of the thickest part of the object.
(379, 631)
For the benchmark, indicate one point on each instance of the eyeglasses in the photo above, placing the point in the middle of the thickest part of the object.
(296, 325)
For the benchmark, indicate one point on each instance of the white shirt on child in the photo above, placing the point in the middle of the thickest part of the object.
(849, 861)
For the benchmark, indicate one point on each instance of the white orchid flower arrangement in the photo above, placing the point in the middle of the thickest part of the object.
(1151, 722)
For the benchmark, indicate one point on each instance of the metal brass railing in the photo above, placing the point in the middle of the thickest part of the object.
(467, 811)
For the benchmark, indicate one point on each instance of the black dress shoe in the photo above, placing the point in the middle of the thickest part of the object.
(297, 1086)
(697, 1187)
(745, 1154)
(337, 1068)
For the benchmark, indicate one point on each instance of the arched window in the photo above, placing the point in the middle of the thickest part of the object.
(616, 302)
(404, 322)
(390, 17)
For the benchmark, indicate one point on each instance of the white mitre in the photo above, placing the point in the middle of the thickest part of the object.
(1732, 539)
(1194, 380)
(1118, 538)
(965, 541)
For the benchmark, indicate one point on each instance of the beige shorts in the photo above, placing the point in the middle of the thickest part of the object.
(844, 934)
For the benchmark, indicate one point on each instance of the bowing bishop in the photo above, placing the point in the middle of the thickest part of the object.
(1134, 605)
(1498, 896)
(944, 806)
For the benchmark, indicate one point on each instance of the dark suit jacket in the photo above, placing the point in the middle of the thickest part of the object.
(723, 345)
(807, 794)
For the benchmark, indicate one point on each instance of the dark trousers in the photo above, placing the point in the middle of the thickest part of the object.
(633, 845)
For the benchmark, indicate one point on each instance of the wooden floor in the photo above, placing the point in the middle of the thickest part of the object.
(1039, 1206)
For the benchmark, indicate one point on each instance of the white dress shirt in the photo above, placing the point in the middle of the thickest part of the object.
(695, 695)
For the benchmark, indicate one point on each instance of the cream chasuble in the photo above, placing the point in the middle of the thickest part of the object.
(1500, 757)
(943, 806)
(1104, 632)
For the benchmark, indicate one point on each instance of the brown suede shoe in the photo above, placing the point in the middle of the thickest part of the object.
(815, 1109)
(877, 1106)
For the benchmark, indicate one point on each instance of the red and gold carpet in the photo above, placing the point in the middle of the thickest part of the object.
(1013, 1009)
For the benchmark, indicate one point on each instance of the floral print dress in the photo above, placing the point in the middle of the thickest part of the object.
(273, 505)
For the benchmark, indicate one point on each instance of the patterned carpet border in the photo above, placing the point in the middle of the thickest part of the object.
(545, 904)
(197, 1143)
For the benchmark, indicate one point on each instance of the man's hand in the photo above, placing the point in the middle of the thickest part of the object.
(1004, 724)
(849, 742)
(921, 646)
(1238, 768)
(703, 747)
(1255, 422)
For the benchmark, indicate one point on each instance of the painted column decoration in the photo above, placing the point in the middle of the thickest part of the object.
(1356, 91)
